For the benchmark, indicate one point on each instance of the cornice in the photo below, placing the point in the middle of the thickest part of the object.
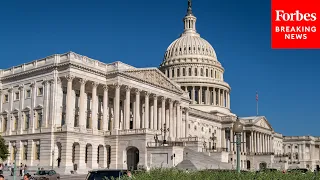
(122, 74)
(190, 64)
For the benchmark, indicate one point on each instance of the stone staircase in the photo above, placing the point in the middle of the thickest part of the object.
(193, 160)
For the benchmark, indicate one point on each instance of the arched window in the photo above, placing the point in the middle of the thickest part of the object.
(189, 71)
(201, 72)
(178, 72)
(207, 73)
(183, 72)
(211, 73)
(195, 71)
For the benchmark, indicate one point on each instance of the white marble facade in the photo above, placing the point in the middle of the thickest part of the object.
(99, 115)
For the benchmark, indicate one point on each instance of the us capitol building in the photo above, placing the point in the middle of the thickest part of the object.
(95, 115)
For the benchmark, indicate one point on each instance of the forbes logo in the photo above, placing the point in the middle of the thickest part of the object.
(281, 15)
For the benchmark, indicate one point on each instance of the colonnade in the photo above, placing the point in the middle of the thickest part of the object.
(260, 142)
(208, 95)
(204, 71)
(132, 108)
(252, 141)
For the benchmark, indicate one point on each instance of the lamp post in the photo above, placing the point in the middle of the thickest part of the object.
(15, 160)
(237, 129)
(164, 130)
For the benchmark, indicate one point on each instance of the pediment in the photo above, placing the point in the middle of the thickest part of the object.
(155, 77)
(263, 122)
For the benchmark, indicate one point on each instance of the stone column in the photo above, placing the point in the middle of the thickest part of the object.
(207, 96)
(127, 109)
(137, 108)
(116, 107)
(46, 89)
(163, 113)
(251, 141)
(69, 108)
(33, 99)
(193, 94)
(94, 106)
(224, 98)
(105, 126)
(231, 140)
(223, 138)
(82, 111)
(186, 123)
(155, 112)
(254, 142)
(218, 96)
(171, 131)
(20, 118)
(178, 123)
(146, 108)
(200, 95)
(244, 142)
(229, 105)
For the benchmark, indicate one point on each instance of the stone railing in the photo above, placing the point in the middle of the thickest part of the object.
(192, 139)
(215, 150)
(168, 143)
(138, 131)
(260, 153)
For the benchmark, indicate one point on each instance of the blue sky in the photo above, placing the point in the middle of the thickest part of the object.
(138, 32)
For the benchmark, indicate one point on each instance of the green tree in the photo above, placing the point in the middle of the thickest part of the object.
(4, 153)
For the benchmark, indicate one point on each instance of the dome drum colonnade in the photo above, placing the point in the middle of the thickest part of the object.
(192, 62)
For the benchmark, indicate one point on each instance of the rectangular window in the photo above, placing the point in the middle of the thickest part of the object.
(6, 98)
(89, 98)
(17, 95)
(37, 152)
(63, 118)
(15, 123)
(39, 119)
(27, 121)
(5, 123)
(76, 104)
(28, 93)
(40, 91)
(25, 152)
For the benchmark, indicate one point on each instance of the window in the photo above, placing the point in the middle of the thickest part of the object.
(37, 151)
(196, 72)
(201, 72)
(6, 98)
(25, 151)
(172, 73)
(76, 104)
(40, 91)
(178, 72)
(86, 155)
(207, 73)
(15, 123)
(39, 119)
(17, 96)
(5, 124)
(27, 121)
(28, 93)
(189, 71)
(183, 72)
(98, 155)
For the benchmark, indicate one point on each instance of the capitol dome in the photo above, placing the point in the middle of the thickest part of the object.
(192, 62)
(190, 44)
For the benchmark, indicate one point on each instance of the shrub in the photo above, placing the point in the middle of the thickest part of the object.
(173, 174)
